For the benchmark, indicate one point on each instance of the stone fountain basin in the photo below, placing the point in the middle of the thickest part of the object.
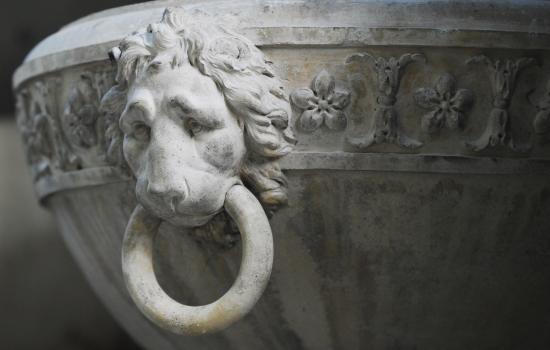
(440, 246)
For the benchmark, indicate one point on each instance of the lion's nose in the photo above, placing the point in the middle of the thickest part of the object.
(168, 196)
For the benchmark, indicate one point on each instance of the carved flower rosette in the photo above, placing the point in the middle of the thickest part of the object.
(321, 104)
(447, 106)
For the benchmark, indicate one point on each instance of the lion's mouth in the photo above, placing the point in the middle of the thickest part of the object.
(183, 210)
(184, 218)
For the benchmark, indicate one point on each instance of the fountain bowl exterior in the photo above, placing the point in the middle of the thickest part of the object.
(419, 188)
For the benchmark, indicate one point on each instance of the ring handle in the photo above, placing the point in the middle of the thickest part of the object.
(161, 309)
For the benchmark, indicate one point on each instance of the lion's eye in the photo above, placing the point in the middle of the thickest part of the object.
(195, 127)
(141, 132)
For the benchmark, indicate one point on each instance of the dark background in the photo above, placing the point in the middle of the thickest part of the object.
(26, 22)
(45, 302)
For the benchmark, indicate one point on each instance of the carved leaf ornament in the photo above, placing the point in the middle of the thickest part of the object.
(503, 75)
(384, 127)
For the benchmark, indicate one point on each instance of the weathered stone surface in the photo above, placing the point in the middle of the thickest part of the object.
(417, 190)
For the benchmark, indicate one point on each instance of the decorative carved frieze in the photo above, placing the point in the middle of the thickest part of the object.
(321, 104)
(385, 123)
(503, 75)
(34, 131)
(84, 132)
(59, 139)
(447, 106)
(41, 129)
(81, 114)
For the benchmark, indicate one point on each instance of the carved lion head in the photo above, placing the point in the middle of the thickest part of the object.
(198, 109)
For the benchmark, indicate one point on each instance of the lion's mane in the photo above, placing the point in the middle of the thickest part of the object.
(241, 72)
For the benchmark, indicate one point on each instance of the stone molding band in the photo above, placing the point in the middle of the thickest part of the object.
(71, 180)
(343, 161)
(311, 37)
